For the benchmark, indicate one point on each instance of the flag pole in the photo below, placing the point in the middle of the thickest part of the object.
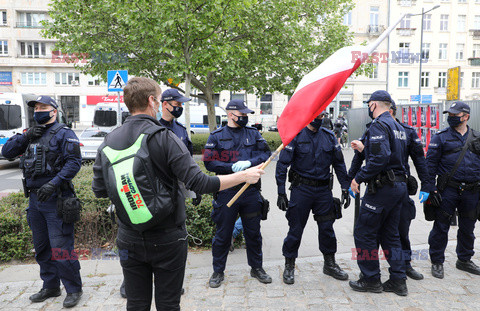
(239, 193)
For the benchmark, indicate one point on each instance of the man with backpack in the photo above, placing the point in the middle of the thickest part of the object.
(138, 167)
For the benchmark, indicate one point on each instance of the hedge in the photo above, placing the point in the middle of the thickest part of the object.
(95, 229)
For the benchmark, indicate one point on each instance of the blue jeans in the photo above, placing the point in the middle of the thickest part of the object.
(238, 228)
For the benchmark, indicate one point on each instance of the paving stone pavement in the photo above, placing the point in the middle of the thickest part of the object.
(312, 289)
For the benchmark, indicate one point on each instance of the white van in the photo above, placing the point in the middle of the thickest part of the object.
(105, 114)
(199, 118)
(16, 116)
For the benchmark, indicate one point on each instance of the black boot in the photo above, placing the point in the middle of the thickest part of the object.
(398, 287)
(289, 272)
(437, 270)
(72, 299)
(413, 274)
(363, 286)
(261, 275)
(216, 279)
(468, 266)
(45, 293)
(331, 268)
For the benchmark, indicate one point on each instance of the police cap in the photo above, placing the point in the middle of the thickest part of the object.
(174, 94)
(238, 104)
(458, 107)
(43, 99)
(380, 95)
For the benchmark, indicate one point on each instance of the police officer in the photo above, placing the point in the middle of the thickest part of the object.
(160, 251)
(233, 148)
(326, 121)
(172, 109)
(379, 214)
(51, 158)
(459, 192)
(407, 214)
(310, 155)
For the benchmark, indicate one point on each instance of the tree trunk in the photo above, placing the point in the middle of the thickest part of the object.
(187, 105)
(212, 122)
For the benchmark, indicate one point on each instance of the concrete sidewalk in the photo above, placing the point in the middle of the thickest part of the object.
(312, 290)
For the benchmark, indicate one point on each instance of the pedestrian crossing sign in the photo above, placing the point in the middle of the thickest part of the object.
(117, 79)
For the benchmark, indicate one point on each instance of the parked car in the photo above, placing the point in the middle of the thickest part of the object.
(273, 128)
(90, 140)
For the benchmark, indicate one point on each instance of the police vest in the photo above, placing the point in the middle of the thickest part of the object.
(39, 160)
(141, 199)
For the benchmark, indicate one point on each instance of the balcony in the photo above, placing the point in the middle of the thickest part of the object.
(405, 32)
(474, 61)
(475, 33)
(375, 30)
(29, 25)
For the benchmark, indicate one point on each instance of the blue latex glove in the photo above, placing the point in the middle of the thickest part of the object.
(351, 192)
(423, 196)
(240, 166)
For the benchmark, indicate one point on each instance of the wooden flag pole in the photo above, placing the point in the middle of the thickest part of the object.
(239, 193)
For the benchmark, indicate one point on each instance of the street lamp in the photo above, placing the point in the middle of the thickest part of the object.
(421, 50)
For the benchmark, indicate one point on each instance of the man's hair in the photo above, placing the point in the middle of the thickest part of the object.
(384, 104)
(137, 91)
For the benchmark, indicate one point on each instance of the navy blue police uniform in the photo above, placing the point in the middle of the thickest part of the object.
(379, 214)
(180, 131)
(310, 155)
(224, 147)
(53, 239)
(461, 193)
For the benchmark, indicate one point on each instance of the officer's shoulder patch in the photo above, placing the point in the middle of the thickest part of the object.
(443, 131)
(73, 140)
(250, 127)
(288, 147)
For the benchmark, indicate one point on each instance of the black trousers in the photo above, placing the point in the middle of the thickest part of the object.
(161, 256)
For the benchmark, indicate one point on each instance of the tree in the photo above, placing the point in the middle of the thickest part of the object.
(257, 46)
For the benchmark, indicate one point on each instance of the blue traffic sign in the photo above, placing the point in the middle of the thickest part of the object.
(117, 79)
(426, 99)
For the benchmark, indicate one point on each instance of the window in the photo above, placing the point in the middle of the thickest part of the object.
(476, 22)
(34, 78)
(403, 79)
(70, 105)
(425, 51)
(66, 78)
(462, 1)
(476, 51)
(425, 81)
(347, 19)
(444, 22)
(374, 73)
(405, 23)
(266, 104)
(404, 48)
(427, 22)
(442, 51)
(442, 79)
(95, 81)
(374, 15)
(476, 80)
(4, 47)
(461, 22)
(405, 2)
(3, 19)
(459, 53)
(32, 49)
(461, 79)
(30, 19)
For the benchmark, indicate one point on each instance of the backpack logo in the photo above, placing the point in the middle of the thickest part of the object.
(134, 199)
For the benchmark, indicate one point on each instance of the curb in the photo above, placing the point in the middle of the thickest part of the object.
(9, 164)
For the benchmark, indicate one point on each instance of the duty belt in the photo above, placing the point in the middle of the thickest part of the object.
(296, 178)
(462, 186)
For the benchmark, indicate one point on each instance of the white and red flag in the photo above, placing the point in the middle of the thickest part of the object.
(319, 87)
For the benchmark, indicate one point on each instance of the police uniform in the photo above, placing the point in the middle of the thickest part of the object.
(180, 131)
(310, 155)
(226, 146)
(461, 193)
(379, 214)
(52, 237)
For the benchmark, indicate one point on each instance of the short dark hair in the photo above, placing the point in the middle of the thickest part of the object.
(137, 91)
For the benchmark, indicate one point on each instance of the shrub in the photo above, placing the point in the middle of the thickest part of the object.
(198, 142)
(273, 140)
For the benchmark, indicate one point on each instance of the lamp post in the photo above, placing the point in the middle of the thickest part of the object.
(421, 50)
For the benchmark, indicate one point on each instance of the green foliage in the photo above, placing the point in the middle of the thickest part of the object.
(273, 140)
(198, 142)
(252, 45)
(15, 236)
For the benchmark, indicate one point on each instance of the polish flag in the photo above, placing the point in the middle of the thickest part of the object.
(319, 87)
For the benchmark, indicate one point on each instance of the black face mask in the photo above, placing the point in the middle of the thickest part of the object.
(316, 123)
(242, 121)
(370, 112)
(454, 121)
(176, 112)
(42, 117)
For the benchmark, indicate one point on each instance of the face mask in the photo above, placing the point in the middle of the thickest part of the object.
(159, 115)
(454, 121)
(316, 123)
(242, 120)
(176, 112)
(42, 117)
(370, 112)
